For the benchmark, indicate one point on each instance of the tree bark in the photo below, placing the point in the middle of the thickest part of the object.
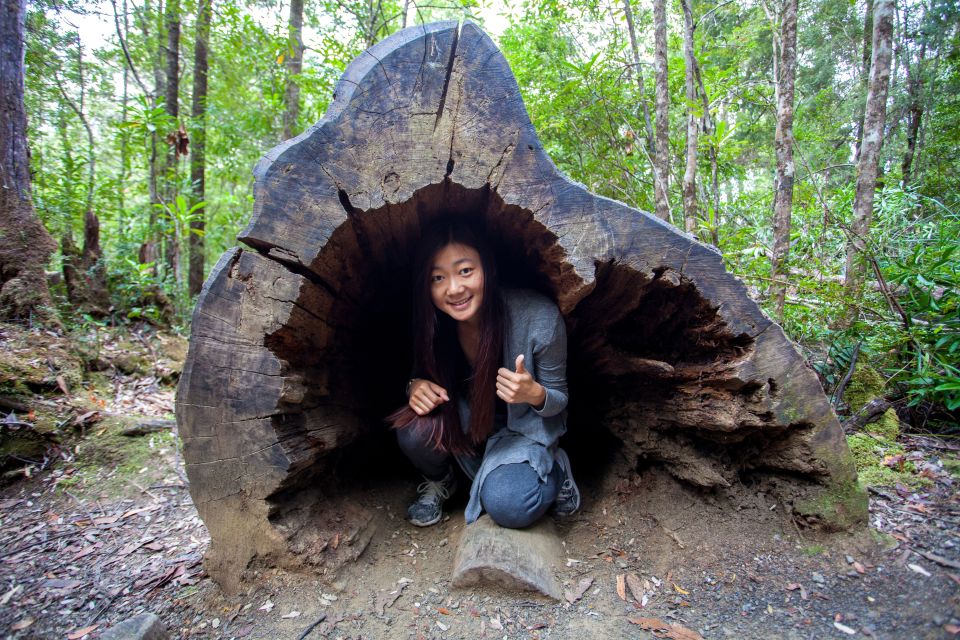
(783, 146)
(690, 171)
(300, 346)
(876, 111)
(291, 96)
(172, 107)
(864, 75)
(661, 158)
(198, 146)
(25, 245)
(638, 70)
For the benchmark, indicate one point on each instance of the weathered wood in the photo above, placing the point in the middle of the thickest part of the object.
(515, 559)
(299, 347)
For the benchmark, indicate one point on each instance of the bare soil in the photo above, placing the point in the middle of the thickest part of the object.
(104, 528)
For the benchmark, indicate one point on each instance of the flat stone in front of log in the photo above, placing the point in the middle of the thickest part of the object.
(516, 559)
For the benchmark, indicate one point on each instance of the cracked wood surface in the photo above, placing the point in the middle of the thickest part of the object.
(431, 121)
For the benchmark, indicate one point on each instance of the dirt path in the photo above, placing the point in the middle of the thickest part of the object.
(108, 530)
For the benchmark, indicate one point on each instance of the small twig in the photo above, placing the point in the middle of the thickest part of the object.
(945, 562)
(313, 626)
(36, 543)
(110, 602)
(838, 394)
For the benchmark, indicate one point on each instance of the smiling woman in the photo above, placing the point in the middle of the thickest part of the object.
(490, 388)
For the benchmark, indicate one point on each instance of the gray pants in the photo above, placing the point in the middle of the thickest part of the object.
(512, 494)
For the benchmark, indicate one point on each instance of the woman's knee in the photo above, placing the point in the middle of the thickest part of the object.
(515, 497)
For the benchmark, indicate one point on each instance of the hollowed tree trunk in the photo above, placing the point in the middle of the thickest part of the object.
(300, 344)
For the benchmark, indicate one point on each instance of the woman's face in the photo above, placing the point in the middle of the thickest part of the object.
(456, 282)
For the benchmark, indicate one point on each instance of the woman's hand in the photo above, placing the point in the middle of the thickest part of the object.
(516, 387)
(425, 396)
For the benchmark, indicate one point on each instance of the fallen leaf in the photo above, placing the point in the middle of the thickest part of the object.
(335, 542)
(106, 519)
(153, 546)
(292, 614)
(919, 569)
(496, 624)
(66, 391)
(134, 512)
(952, 629)
(665, 630)
(952, 576)
(793, 586)
(680, 589)
(15, 590)
(859, 567)
(442, 626)
(622, 587)
(80, 633)
(7, 504)
(842, 627)
(444, 611)
(636, 587)
(267, 606)
(22, 624)
(582, 586)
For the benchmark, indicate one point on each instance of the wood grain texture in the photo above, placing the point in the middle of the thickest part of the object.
(300, 346)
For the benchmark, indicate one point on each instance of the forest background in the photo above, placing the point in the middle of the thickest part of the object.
(814, 142)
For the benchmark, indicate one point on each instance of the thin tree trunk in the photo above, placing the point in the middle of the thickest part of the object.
(783, 145)
(148, 250)
(172, 106)
(198, 148)
(631, 30)
(291, 96)
(873, 128)
(25, 245)
(915, 114)
(710, 129)
(83, 271)
(661, 157)
(864, 74)
(690, 172)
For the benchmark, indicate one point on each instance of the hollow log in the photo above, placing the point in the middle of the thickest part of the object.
(301, 340)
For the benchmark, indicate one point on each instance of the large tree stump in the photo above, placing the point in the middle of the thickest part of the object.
(300, 346)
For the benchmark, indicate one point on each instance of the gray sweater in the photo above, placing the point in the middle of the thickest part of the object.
(535, 328)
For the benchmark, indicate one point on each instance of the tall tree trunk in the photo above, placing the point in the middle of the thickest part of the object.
(648, 126)
(84, 272)
(172, 107)
(864, 74)
(915, 113)
(25, 245)
(291, 97)
(783, 146)
(873, 126)
(661, 158)
(148, 249)
(198, 147)
(710, 129)
(690, 172)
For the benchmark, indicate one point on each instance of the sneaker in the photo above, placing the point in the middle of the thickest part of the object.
(568, 500)
(427, 509)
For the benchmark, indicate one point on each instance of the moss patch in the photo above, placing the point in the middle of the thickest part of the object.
(839, 506)
(870, 452)
(115, 465)
(867, 385)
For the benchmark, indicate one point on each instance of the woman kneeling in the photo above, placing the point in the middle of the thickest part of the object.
(489, 391)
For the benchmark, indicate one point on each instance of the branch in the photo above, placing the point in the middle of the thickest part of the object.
(126, 53)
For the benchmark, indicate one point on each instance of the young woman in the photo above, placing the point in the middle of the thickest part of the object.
(489, 391)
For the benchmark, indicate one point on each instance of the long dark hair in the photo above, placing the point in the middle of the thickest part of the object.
(437, 348)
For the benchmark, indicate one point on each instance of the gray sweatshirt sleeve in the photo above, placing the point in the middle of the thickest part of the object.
(550, 370)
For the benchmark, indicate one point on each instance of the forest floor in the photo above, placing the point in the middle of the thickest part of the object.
(98, 526)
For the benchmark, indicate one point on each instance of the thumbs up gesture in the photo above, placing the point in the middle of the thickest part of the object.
(516, 387)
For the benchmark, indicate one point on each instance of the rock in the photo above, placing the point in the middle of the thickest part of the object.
(516, 559)
(146, 626)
